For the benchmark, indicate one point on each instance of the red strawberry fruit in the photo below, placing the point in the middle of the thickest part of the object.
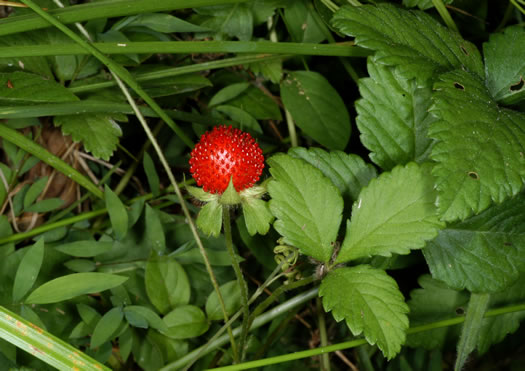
(225, 153)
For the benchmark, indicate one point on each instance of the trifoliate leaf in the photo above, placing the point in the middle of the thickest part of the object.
(348, 172)
(209, 219)
(411, 40)
(494, 329)
(485, 253)
(307, 206)
(434, 301)
(393, 116)
(480, 148)
(316, 108)
(370, 302)
(99, 133)
(393, 214)
(505, 65)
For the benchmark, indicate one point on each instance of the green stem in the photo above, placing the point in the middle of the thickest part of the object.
(443, 12)
(226, 220)
(477, 307)
(291, 129)
(115, 68)
(359, 342)
(259, 321)
(325, 357)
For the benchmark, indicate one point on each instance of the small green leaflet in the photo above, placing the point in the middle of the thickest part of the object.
(480, 152)
(485, 253)
(413, 41)
(393, 116)
(231, 294)
(159, 22)
(72, 285)
(505, 65)
(106, 327)
(209, 219)
(117, 213)
(150, 318)
(394, 214)
(307, 205)
(99, 133)
(186, 321)
(28, 270)
(370, 302)
(257, 216)
(316, 108)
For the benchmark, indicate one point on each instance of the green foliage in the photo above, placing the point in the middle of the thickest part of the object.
(231, 293)
(28, 270)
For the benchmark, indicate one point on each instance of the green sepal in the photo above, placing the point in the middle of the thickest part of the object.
(257, 215)
(200, 194)
(209, 219)
(230, 195)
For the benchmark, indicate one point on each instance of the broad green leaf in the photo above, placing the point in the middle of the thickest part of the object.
(257, 104)
(270, 69)
(38, 65)
(125, 343)
(151, 174)
(28, 270)
(316, 108)
(81, 265)
(148, 354)
(209, 219)
(231, 294)
(434, 301)
(413, 41)
(24, 88)
(151, 318)
(393, 116)
(89, 315)
(395, 213)
(485, 253)
(154, 232)
(159, 22)
(43, 206)
(505, 65)
(246, 121)
(85, 249)
(228, 93)
(99, 133)
(72, 285)
(422, 4)
(370, 302)
(167, 284)
(302, 24)
(307, 205)
(185, 322)
(106, 327)
(480, 147)
(494, 329)
(117, 213)
(348, 172)
(34, 191)
(256, 215)
(227, 20)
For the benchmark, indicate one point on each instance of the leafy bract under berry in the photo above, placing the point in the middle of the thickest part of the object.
(226, 153)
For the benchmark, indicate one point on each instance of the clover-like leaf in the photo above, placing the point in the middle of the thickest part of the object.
(480, 148)
(370, 302)
(394, 214)
(307, 205)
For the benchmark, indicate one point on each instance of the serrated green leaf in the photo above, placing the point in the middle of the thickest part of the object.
(494, 329)
(394, 214)
(370, 302)
(34, 191)
(413, 41)
(85, 249)
(152, 318)
(99, 133)
(151, 174)
(434, 301)
(231, 294)
(43, 206)
(256, 215)
(348, 172)
(117, 213)
(209, 219)
(485, 253)
(393, 116)
(480, 148)
(246, 121)
(505, 65)
(72, 285)
(167, 284)
(28, 270)
(185, 322)
(22, 88)
(228, 93)
(316, 108)
(106, 327)
(307, 205)
(154, 232)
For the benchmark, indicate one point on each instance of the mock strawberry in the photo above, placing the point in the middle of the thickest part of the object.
(226, 153)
